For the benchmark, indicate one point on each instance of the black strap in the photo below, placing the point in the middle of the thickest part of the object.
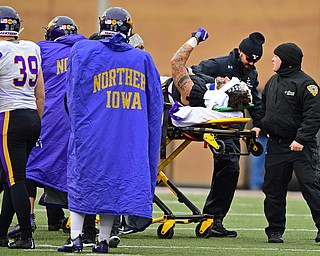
(165, 121)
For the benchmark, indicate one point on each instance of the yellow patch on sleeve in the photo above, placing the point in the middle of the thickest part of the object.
(313, 89)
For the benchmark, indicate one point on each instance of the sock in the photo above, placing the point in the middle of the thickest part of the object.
(106, 223)
(77, 220)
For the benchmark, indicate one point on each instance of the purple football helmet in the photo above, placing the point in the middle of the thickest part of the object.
(115, 19)
(9, 22)
(60, 26)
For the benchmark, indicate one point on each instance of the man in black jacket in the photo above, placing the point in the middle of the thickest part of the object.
(239, 63)
(290, 116)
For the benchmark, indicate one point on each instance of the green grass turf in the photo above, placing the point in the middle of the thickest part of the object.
(246, 216)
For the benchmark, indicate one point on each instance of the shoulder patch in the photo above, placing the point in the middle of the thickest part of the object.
(313, 89)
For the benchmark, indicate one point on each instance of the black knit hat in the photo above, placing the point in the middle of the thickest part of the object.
(252, 46)
(290, 54)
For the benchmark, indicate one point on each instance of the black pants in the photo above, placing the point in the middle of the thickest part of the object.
(117, 223)
(224, 180)
(280, 163)
(89, 227)
(55, 215)
(20, 130)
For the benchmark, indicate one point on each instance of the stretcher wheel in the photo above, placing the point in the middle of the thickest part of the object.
(221, 148)
(66, 225)
(205, 234)
(256, 148)
(167, 235)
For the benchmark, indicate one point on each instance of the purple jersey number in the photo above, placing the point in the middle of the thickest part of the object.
(32, 68)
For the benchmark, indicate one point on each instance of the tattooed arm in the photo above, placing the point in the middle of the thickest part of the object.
(180, 74)
(179, 71)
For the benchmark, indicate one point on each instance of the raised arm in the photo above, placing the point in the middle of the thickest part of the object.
(179, 71)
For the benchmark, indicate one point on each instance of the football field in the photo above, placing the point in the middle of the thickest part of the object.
(245, 216)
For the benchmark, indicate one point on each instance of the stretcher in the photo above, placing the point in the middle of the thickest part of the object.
(211, 133)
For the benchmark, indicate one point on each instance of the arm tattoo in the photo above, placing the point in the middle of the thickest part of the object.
(183, 82)
(182, 55)
(180, 74)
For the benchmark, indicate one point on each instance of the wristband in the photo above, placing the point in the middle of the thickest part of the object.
(193, 42)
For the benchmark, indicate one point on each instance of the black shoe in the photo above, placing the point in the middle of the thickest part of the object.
(22, 244)
(16, 232)
(219, 230)
(317, 239)
(102, 247)
(72, 245)
(125, 230)
(89, 242)
(4, 241)
(57, 226)
(114, 241)
(275, 238)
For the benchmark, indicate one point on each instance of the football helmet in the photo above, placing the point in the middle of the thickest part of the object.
(60, 26)
(115, 19)
(9, 22)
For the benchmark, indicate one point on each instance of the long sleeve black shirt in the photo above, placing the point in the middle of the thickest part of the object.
(290, 107)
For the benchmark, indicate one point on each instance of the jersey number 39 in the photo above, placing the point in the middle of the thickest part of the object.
(28, 71)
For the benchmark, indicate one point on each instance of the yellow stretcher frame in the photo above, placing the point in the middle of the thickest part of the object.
(210, 133)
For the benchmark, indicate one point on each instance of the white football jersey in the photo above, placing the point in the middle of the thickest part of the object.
(20, 62)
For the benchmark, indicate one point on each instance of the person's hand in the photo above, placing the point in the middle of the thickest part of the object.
(201, 34)
(296, 146)
(256, 130)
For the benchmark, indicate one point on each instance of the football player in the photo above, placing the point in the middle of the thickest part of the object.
(21, 108)
(116, 89)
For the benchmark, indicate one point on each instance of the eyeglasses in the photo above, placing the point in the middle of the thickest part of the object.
(254, 59)
(248, 58)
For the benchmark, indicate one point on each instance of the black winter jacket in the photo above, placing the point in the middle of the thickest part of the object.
(231, 66)
(290, 107)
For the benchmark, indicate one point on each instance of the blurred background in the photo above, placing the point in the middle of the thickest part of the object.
(165, 25)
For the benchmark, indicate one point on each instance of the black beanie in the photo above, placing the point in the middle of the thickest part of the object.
(290, 54)
(252, 46)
